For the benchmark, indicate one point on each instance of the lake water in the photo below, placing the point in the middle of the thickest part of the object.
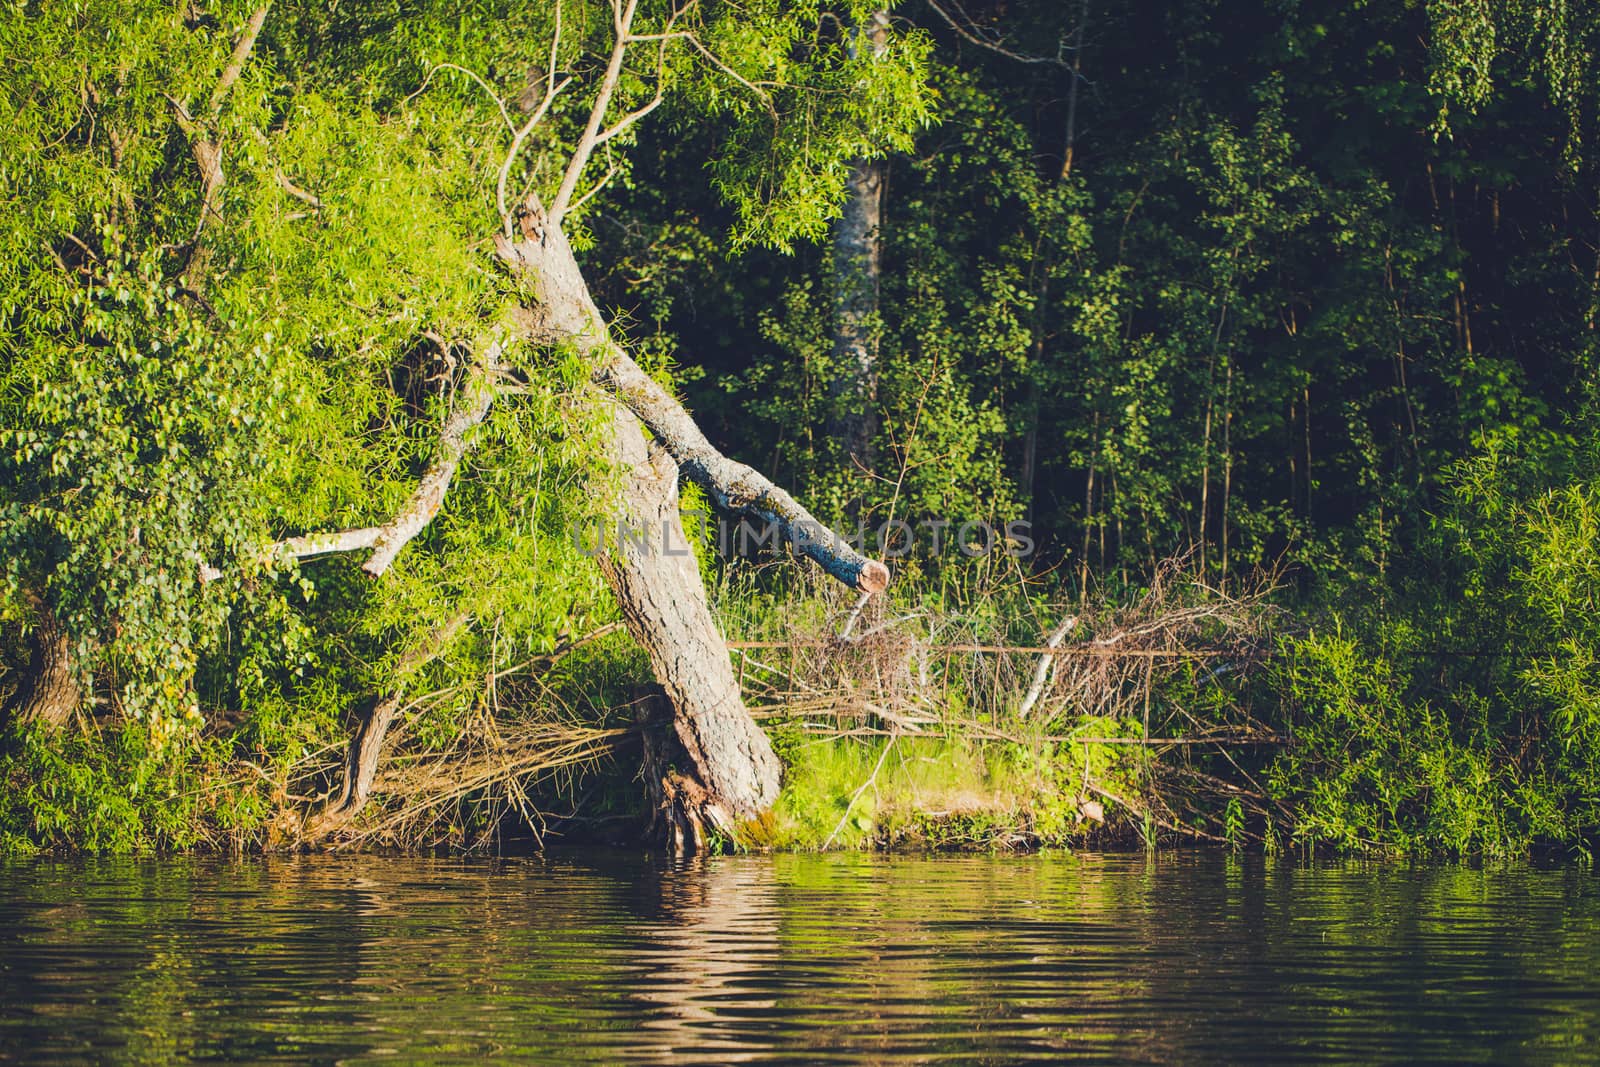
(609, 957)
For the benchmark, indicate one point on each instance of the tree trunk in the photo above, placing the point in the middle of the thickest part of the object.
(730, 772)
(361, 768)
(720, 768)
(857, 269)
(49, 692)
(366, 747)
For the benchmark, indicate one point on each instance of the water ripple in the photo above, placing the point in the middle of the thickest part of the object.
(836, 959)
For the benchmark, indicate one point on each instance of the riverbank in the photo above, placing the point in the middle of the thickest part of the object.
(981, 717)
(954, 716)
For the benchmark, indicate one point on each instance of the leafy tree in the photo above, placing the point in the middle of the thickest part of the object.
(255, 317)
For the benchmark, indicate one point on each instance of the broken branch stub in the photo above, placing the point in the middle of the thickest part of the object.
(366, 746)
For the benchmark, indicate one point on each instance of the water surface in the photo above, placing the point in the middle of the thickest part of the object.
(1179, 958)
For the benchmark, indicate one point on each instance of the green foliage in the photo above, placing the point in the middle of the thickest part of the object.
(1476, 43)
(141, 438)
(117, 792)
(1461, 717)
(1313, 283)
(1369, 769)
(194, 370)
(823, 99)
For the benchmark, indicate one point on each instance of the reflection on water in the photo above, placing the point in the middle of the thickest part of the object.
(583, 957)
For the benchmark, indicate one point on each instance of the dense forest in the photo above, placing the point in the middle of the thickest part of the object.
(1216, 380)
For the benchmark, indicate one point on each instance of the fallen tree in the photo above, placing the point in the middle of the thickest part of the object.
(731, 772)
(727, 771)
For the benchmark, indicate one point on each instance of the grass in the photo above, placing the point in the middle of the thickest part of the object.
(908, 733)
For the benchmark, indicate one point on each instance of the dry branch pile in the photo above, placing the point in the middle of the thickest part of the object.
(1121, 675)
(900, 671)
(1116, 676)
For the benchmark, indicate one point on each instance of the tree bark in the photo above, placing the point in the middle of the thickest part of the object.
(361, 769)
(857, 271)
(730, 772)
(49, 692)
(566, 313)
(734, 486)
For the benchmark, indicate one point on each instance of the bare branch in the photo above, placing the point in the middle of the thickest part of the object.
(295, 191)
(605, 179)
(85, 249)
(623, 20)
(855, 613)
(764, 96)
(969, 32)
(428, 497)
(203, 141)
(551, 90)
(666, 35)
(387, 540)
(283, 180)
(1047, 665)
(872, 780)
(208, 158)
(555, 53)
(632, 117)
(521, 135)
(505, 116)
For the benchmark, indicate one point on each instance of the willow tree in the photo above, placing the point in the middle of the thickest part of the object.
(290, 280)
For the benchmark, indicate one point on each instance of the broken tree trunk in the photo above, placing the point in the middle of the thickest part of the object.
(366, 747)
(734, 486)
(567, 314)
(49, 692)
(730, 772)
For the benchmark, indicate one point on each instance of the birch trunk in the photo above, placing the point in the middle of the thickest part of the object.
(857, 272)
